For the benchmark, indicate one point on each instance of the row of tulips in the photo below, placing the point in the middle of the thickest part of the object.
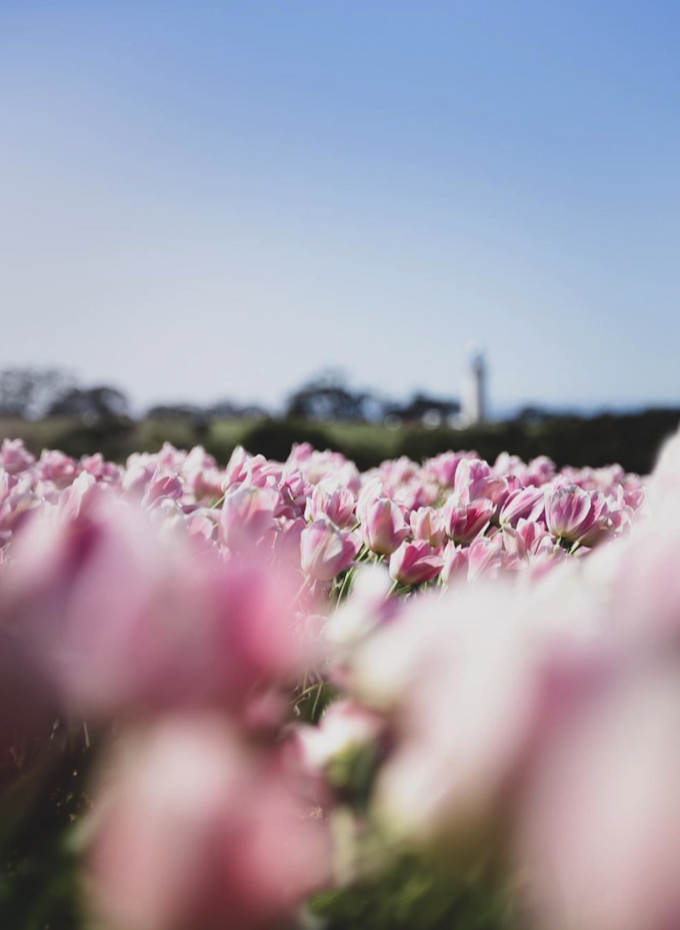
(288, 675)
(453, 514)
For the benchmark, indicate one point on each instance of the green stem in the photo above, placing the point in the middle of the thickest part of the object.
(316, 700)
(343, 586)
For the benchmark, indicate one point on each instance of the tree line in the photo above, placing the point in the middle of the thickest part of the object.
(33, 394)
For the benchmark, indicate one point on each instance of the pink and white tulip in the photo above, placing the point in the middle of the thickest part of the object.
(415, 563)
(383, 528)
(326, 550)
(464, 521)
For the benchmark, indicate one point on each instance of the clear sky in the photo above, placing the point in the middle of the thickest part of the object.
(216, 198)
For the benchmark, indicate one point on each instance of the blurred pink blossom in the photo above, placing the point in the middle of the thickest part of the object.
(202, 832)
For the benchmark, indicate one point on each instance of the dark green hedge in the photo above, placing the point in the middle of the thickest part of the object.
(632, 439)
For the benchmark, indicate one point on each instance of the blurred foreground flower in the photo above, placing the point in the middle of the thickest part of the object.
(196, 830)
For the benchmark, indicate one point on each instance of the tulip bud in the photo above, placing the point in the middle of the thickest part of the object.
(426, 524)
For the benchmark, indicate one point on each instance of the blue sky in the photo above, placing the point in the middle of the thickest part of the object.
(216, 199)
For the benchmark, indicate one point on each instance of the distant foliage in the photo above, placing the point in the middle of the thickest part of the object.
(329, 398)
(91, 405)
(29, 393)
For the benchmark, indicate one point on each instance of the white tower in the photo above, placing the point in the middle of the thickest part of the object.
(474, 389)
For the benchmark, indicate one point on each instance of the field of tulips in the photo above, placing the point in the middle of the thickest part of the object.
(437, 695)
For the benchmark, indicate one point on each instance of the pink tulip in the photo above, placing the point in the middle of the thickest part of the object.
(104, 472)
(427, 524)
(507, 465)
(336, 504)
(287, 542)
(300, 453)
(415, 563)
(475, 479)
(138, 474)
(247, 515)
(371, 491)
(320, 466)
(540, 471)
(162, 487)
(573, 514)
(599, 524)
(14, 457)
(326, 550)
(486, 557)
(456, 563)
(383, 527)
(235, 471)
(295, 491)
(261, 473)
(566, 510)
(17, 499)
(444, 467)
(170, 458)
(527, 504)
(463, 521)
(201, 474)
(634, 497)
(79, 498)
(527, 539)
(58, 468)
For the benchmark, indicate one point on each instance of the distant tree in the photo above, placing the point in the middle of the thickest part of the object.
(532, 413)
(92, 405)
(421, 406)
(228, 410)
(29, 393)
(225, 409)
(253, 412)
(192, 412)
(327, 397)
